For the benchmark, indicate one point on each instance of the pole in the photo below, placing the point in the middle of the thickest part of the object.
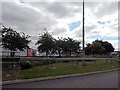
(83, 64)
(83, 29)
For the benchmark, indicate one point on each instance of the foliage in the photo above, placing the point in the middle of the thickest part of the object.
(71, 46)
(59, 44)
(88, 49)
(45, 43)
(25, 65)
(96, 47)
(99, 47)
(108, 47)
(12, 40)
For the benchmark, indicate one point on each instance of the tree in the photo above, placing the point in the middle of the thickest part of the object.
(99, 47)
(108, 47)
(45, 43)
(96, 47)
(59, 44)
(88, 49)
(12, 40)
(71, 45)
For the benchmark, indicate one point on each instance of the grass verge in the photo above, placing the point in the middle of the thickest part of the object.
(64, 68)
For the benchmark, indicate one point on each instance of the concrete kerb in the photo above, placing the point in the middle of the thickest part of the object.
(53, 77)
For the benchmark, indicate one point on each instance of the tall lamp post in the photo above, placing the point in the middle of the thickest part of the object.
(83, 33)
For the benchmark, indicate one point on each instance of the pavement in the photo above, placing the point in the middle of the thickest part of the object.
(105, 79)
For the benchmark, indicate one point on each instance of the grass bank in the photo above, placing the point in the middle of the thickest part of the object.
(64, 68)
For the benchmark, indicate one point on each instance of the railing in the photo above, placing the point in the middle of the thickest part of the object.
(83, 60)
(64, 59)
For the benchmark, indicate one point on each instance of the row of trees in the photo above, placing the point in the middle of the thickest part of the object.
(12, 40)
(46, 43)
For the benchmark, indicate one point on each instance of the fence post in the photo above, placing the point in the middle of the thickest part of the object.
(76, 63)
(111, 61)
(94, 61)
(106, 61)
(83, 63)
(51, 64)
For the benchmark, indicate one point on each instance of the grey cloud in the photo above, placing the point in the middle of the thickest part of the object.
(25, 19)
(64, 9)
(31, 22)
(114, 27)
(103, 8)
(88, 29)
(59, 31)
(92, 5)
(78, 33)
(59, 9)
(34, 37)
(107, 8)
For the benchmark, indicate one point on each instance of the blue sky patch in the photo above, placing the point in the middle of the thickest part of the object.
(74, 25)
(99, 22)
(103, 22)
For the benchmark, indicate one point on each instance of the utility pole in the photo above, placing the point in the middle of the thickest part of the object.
(83, 31)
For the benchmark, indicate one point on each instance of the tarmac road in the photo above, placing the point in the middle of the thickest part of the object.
(99, 80)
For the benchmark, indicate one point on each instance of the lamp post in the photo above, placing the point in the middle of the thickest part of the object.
(83, 33)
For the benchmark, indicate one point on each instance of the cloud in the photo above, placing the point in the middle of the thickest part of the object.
(56, 9)
(106, 9)
(59, 31)
(32, 17)
(24, 18)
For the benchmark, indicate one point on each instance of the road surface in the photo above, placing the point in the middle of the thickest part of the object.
(100, 80)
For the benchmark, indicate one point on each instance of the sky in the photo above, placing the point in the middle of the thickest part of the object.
(63, 19)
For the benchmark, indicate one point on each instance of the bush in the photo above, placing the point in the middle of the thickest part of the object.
(36, 63)
(25, 65)
(46, 62)
(30, 64)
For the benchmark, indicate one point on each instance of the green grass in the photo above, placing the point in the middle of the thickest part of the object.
(64, 68)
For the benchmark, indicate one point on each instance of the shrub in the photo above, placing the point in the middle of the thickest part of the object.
(25, 65)
(36, 63)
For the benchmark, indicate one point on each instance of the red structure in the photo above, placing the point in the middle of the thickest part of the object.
(29, 52)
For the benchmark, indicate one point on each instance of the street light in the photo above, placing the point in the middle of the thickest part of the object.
(83, 33)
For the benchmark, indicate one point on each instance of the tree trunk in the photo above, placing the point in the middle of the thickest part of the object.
(59, 53)
(70, 53)
(47, 53)
(12, 54)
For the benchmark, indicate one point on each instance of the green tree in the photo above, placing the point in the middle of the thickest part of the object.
(12, 40)
(96, 47)
(108, 47)
(88, 49)
(71, 46)
(59, 44)
(46, 43)
(99, 47)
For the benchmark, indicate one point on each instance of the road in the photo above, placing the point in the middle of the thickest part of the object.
(100, 80)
